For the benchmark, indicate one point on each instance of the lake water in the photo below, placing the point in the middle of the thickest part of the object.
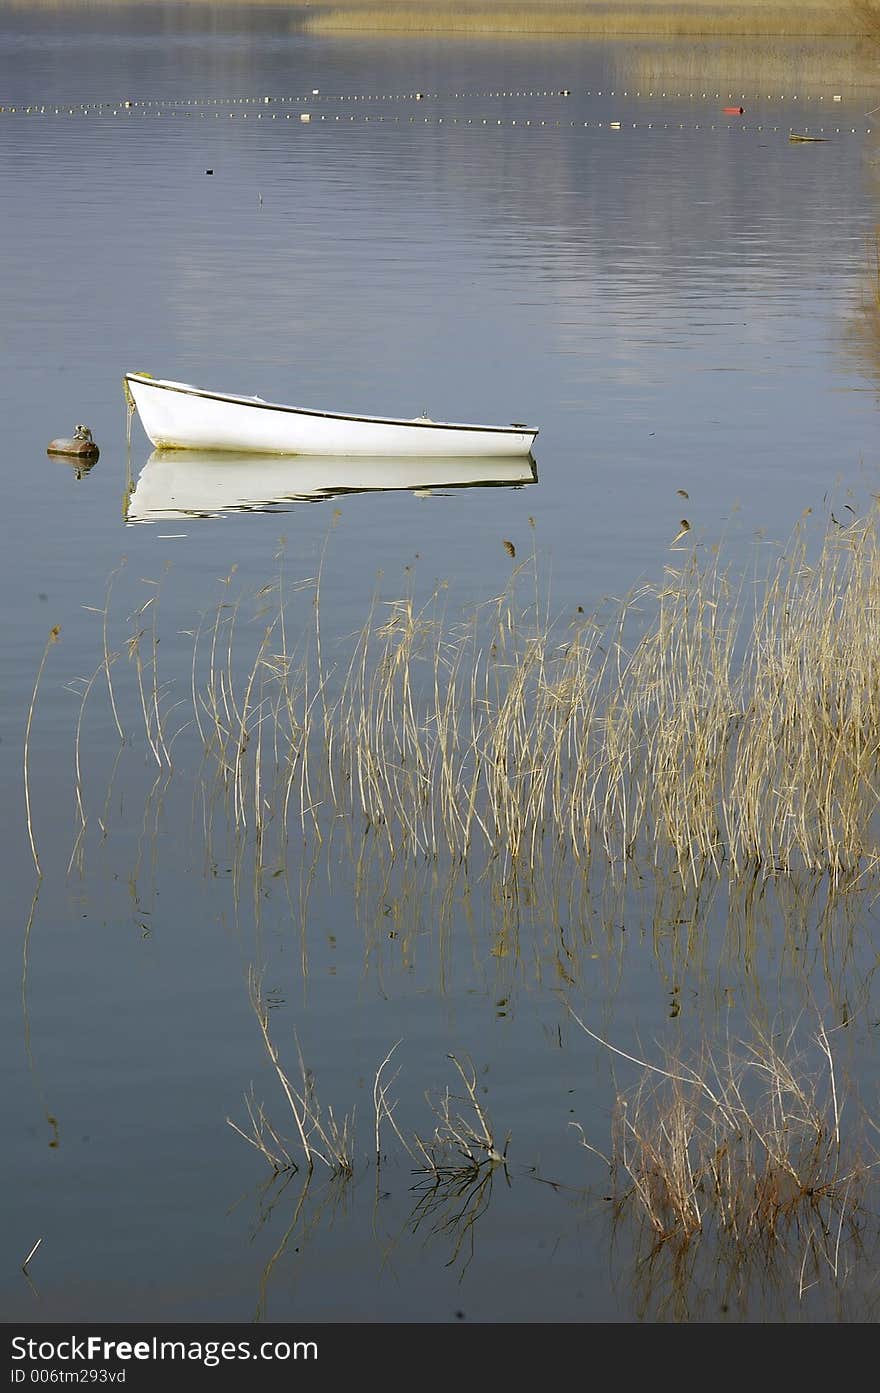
(486, 231)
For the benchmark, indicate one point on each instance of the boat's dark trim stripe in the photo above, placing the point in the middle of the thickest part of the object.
(326, 415)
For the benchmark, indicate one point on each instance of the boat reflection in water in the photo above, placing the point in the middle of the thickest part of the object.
(188, 484)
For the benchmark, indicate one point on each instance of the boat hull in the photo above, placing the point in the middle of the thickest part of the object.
(177, 416)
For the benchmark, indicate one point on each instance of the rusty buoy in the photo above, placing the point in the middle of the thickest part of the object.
(81, 445)
(734, 111)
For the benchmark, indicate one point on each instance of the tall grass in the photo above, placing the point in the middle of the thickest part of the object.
(746, 1146)
(599, 18)
(693, 720)
(867, 17)
(321, 1135)
(709, 720)
(747, 66)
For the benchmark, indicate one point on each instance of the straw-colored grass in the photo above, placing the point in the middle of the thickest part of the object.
(322, 1137)
(54, 634)
(592, 18)
(747, 1146)
(752, 68)
(705, 722)
(463, 1141)
(512, 728)
(867, 17)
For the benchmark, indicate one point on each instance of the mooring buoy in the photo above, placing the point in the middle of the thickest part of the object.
(81, 445)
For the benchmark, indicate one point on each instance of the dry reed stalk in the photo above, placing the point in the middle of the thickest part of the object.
(109, 657)
(245, 732)
(463, 1141)
(276, 1153)
(300, 1113)
(134, 654)
(335, 1137)
(78, 782)
(384, 1109)
(216, 687)
(54, 634)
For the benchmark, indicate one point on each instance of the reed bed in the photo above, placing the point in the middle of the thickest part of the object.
(592, 18)
(867, 16)
(749, 66)
(746, 1145)
(707, 721)
(713, 720)
(460, 1148)
(743, 1149)
(595, 18)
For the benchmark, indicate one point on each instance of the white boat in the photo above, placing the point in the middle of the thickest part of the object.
(185, 484)
(177, 416)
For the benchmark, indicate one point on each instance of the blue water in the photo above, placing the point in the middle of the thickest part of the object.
(676, 305)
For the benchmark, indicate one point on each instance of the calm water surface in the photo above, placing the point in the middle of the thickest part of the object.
(675, 304)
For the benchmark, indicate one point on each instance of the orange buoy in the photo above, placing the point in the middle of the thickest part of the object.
(734, 111)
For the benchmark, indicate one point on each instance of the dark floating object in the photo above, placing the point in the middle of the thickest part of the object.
(81, 445)
(209, 171)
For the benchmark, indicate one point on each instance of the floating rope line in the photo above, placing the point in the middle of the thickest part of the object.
(132, 109)
(175, 105)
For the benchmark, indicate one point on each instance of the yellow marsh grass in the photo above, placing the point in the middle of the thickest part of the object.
(708, 720)
(599, 18)
(755, 68)
(657, 17)
(747, 1145)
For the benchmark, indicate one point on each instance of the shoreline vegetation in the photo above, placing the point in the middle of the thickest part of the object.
(810, 65)
(588, 18)
(605, 19)
(707, 721)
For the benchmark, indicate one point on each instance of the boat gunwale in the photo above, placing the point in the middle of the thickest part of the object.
(186, 389)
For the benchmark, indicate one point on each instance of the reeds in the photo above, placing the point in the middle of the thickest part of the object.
(867, 17)
(54, 634)
(709, 721)
(745, 1145)
(597, 19)
(463, 1141)
(592, 18)
(746, 67)
(322, 1136)
(713, 734)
